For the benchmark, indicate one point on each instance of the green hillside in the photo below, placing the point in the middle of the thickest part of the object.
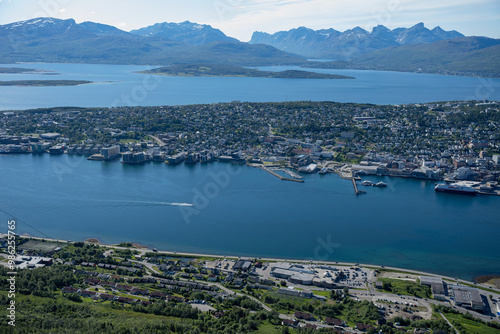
(466, 56)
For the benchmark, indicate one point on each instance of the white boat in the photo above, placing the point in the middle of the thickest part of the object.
(367, 183)
(456, 188)
(380, 184)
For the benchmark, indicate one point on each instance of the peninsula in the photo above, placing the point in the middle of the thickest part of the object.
(214, 70)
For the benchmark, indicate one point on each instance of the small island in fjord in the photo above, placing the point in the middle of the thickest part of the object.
(214, 70)
(22, 70)
(46, 83)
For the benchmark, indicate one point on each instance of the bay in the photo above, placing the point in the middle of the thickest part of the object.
(239, 210)
(120, 85)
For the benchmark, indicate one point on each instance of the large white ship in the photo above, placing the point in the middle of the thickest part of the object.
(456, 188)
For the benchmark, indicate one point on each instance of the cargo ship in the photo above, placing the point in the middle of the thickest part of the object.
(456, 188)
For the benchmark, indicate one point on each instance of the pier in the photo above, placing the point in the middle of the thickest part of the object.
(356, 190)
(282, 178)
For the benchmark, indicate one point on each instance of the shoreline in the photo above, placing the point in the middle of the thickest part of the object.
(145, 249)
(341, 172)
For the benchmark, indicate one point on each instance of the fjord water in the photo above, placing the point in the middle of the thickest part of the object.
(239, 210)
(117, 85)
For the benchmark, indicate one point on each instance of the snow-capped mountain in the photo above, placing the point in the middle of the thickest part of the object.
(329, 43)
(56, 40)
(186, 32)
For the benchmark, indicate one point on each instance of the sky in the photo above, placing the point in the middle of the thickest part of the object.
(240, 18)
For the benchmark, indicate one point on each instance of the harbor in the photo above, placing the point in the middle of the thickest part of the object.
(282, 178)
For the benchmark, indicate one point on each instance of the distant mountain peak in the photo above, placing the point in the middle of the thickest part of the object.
(186, 32)
(380, 27)
(358, 29)
(331, 44)
(38, 22)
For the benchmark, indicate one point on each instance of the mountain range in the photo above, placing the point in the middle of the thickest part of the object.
(55, 40)
(333, 44)
(415, 49)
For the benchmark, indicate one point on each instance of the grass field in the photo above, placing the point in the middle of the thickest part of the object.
(471, 326)
(270, 329)
(406, 288)
(321, 293)
(38, 245)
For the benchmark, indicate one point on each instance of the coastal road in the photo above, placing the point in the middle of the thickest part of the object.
(334, 263)
(451, 280)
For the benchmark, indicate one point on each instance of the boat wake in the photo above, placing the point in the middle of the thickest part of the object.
(148, 203)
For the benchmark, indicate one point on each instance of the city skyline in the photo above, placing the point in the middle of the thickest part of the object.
(239, 19)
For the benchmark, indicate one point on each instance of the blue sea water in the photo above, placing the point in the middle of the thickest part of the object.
(240, 210)
(117, 85)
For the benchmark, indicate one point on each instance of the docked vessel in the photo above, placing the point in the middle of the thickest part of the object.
(380, 184)
(456, 188)
(367, 183)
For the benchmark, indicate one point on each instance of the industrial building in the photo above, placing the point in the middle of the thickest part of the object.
(467, 297)
(436, 284)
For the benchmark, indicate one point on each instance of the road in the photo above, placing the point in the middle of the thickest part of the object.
(158, 140)
(348, 264)
(449, 323)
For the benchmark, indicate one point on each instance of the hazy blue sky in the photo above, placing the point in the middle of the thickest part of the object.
(239, 18)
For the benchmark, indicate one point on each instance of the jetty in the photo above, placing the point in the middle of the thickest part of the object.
(282, 178)
(356, 190)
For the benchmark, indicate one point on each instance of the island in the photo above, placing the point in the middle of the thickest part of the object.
(22, 70)
(44, 83)
(214, 70)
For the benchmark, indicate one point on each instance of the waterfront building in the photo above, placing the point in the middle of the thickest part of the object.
(133, 158)
(467, 297)
(436, 284)
(57, 149)
(110, 153)
(176, 159)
